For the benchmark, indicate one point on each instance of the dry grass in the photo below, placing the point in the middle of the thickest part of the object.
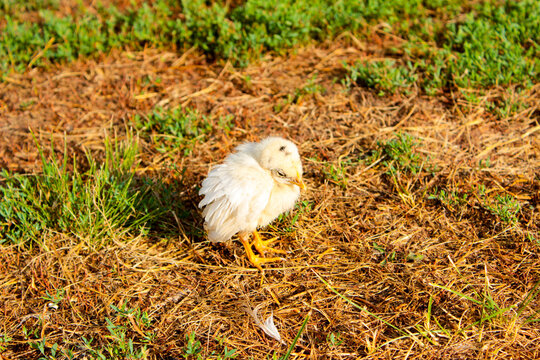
(389, 271)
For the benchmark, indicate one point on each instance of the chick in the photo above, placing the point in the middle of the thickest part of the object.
(251, 188)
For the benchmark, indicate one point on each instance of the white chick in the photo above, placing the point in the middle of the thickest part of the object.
(252, 187)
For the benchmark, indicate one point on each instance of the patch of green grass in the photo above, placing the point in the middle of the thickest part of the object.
(382, 76)
(334, 340)
(310, 88)
(447, 42)
(129, 334)
(121, 342)
(450, 199)
(4, 341)
(489, 311)
(170, 130)
(55, 298)
(120, 345)
(489, 44)
(505, 207)
(96, 205)
(287, 222)
(51, 353)
(496, 44)
(193, 346)
(398, 155)
(57, 39)
(507, 105)
(141, 318)
(337, 174)
(194, 350)
(43, 345)
(484, 163)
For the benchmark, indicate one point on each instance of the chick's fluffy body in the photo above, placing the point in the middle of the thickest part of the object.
(244, 192)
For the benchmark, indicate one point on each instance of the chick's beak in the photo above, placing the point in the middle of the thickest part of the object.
(298, 181)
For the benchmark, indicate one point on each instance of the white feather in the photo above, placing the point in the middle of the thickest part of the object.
(268, 326)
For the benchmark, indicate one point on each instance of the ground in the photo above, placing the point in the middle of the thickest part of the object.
(417, 237)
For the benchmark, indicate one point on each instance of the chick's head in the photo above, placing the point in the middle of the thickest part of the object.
(281, 158)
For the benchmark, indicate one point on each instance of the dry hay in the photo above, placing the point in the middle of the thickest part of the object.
(376, 240)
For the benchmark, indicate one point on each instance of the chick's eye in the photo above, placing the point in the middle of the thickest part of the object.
(280, 173)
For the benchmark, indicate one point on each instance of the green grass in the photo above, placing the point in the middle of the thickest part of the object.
(4, 340)
(383, 76)
(96, 205)
(498, 45)
(295, 340)
(507, 105)
(489, 311)
(488, 45)
(450, 199)
(398, 155)
(505, 207)
(287, 222)
(171, 130)
(194, 350)
(337, 174)
(129, 333)
(447, 43)
(122, 342)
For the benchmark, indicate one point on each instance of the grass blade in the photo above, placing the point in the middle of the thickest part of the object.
(530, 297)
(293, 344)
(458, 294)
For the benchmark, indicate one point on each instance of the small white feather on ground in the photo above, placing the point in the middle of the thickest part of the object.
(268, 326)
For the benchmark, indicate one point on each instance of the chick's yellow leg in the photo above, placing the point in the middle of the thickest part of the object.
(262, 245)
(254, 259)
